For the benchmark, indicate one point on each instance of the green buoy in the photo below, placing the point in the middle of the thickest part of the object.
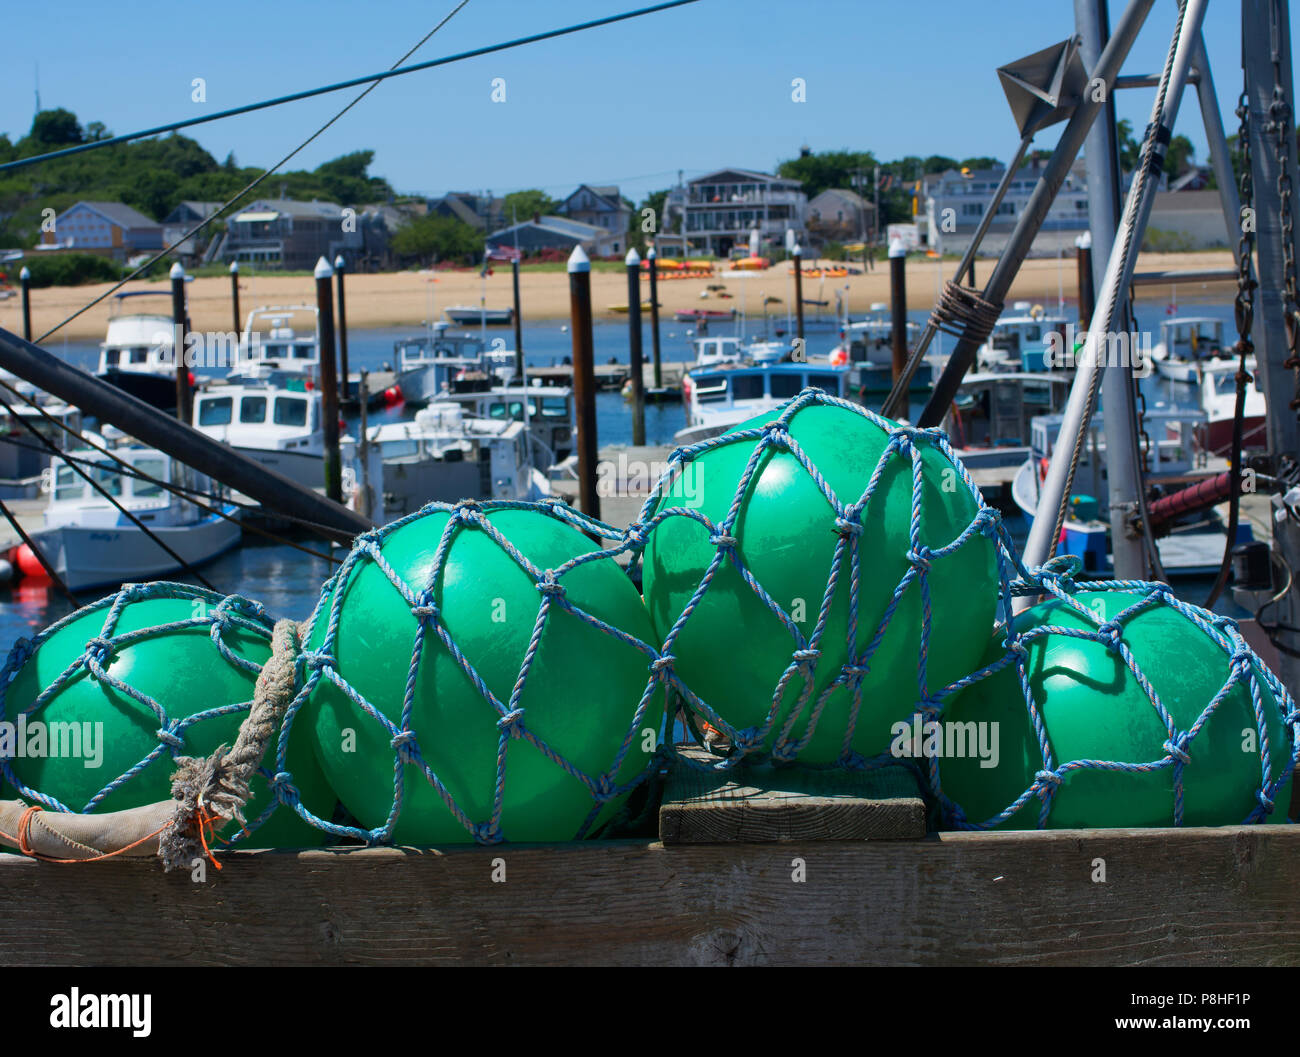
(1094, 708)
(733, 649)
(180, 669)
(580, 698)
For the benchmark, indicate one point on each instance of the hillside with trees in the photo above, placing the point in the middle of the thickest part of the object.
(152, 175)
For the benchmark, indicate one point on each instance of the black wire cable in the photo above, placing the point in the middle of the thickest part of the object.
(328, 530)
(396, 70)
(113, 501)
(249, 187)
(50, 571)
(190, 494)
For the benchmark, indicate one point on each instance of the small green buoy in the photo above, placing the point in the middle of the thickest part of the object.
(733, 650)
(580, 698)
(158, 643)
(1094, 708)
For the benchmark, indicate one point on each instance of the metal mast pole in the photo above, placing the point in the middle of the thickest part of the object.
(1266, 55)
(1027, 226)
(1101, 156)
(1119, 274)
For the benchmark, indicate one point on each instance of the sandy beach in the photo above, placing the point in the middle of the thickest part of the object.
(403, 298)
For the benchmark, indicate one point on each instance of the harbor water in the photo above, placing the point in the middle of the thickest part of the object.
(288, 581)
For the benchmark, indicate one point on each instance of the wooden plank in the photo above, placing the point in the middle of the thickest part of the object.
(754, 804)
(1170, 897)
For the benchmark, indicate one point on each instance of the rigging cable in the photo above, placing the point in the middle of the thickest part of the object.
(127, 469)
(215, 214)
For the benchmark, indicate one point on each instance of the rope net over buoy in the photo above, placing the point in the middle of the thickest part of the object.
(822, 691)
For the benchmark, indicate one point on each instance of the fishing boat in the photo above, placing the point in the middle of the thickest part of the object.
(1186, 341)
(1218, 378)
(545, 411)
(868, 344)
(466, 315)
(1192, 545)
(25, 460)
(428, 365)
(280, 343)
(446, 455)
(990, 423)
(90, 543)
(136, 354)
(1019, 340)
(725, 394)
(281, 428)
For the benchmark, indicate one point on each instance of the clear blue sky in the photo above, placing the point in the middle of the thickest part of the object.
(694, 88)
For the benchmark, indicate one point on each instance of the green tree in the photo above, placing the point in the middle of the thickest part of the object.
(981, 162)
(830, 169)
(1130, 150)
(55, 128)
(1179, 157)
(437, 238)
(524, 205)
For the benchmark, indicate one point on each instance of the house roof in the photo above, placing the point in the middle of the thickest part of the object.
(291, 207)
(852, 198)
(608, 194)
(118, 213)
(573, 229)
(744, 174)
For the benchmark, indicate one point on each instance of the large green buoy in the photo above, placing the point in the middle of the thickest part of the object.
(160, 646)
(580, 698)
(733, 649)
(1094, 708)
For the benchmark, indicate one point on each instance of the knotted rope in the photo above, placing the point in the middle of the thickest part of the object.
(213, 790)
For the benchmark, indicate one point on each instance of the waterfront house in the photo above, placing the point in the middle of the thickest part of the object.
(108, 229)
(722, 207)
(956, 200)
(480, 211)
(840, 215)
(288, 234)
(560, 233)
(601, 207)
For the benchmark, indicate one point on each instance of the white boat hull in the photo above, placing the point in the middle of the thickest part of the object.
(104, 557)
(304, 467)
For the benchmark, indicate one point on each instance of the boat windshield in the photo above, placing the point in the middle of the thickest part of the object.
(69, 484)
(151, 467)
(215, 411)
(290, 411)
(746, 386)
(252, 409)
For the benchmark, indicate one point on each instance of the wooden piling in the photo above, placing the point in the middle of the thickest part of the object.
(340, 266)
(329, 382)
(635, 360)
(654, 317)
(798, 292)
(1087, 292)
(519, 324)
(25, 281)
(584, 381)
(234, 299)
(898, 304)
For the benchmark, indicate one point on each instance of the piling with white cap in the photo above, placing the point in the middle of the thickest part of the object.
(898, 304)
(329, 381)
(180, 326)
(584, 378)
(340, 266)
(635, 369)
(234, 297)
(25, 281)
(654, 315)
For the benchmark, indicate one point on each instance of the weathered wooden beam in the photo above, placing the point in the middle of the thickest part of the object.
(1169, 897)
(759, 804)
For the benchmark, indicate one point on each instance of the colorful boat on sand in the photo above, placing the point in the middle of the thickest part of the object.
(710, 315)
